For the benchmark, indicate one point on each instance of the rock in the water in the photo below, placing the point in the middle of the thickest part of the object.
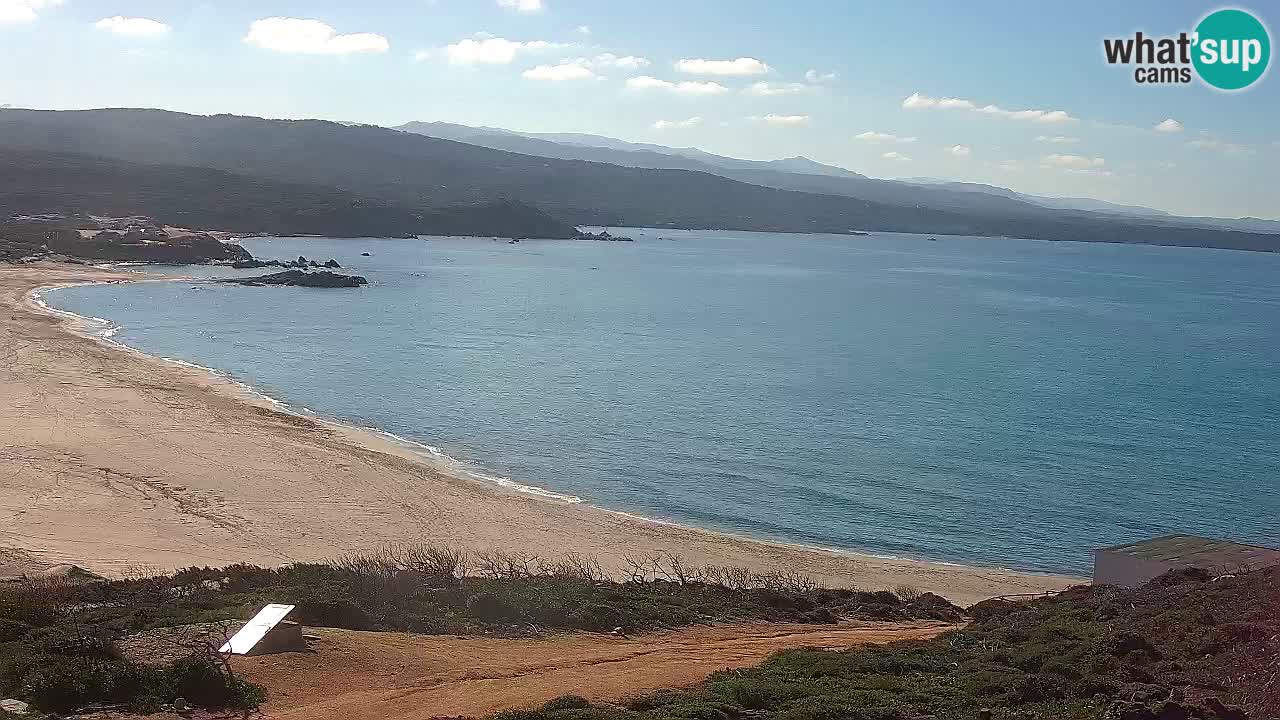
(299, 278)
(253, 264)
(364, 254)
(332, 264)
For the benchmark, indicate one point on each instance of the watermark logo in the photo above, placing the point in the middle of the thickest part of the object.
(1229, 50)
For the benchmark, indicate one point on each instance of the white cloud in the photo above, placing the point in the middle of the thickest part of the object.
(688, 87)
(310, 37)
(782, 120)
(1168, 125)
(133, 27)
(488, 50)
(584, 29)
(1040, 116)
(421, 55)
(608, 61)
(740, 66)
(1012, 166)
(918, 101)
(895, 155)
(524, 6)
(962, 151)
(1073, 162)
(1057, 139)
(816, 77)
(879, 137)
(24, 11)
(768, 89)
(559, 73)
(677, 124)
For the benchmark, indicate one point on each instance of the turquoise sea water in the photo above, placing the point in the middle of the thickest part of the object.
(1001, 402)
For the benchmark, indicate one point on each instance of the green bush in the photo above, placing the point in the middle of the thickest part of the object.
(566, 702)
(197, 679)
(492, 607)
(65, 683)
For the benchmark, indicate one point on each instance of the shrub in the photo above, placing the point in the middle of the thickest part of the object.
(908, 593)
(492, 607)
(332, 612)
(65, 683)
(201, 681)
(755, 693)
(566, 702)
(520, 715)
(69, 639)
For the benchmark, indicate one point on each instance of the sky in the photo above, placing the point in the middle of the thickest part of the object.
(1014, 94)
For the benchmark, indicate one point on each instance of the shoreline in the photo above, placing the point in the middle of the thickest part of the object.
(483, 514)
(427, 453)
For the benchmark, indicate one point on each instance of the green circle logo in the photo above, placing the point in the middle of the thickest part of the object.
(1232, 49)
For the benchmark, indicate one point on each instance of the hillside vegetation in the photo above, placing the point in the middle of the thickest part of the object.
(61, 639)
(34, 182)
(454, 186)
(1184, 646)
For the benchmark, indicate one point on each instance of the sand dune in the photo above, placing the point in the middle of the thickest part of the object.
(112, 459)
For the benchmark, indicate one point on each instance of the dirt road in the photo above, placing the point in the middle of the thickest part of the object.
(368, 676)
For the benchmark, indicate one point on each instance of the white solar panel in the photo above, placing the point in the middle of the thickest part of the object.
(258, 627)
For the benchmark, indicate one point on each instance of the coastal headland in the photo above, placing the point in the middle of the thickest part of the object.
(113, 460)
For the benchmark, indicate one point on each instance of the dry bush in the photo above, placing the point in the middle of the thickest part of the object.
(728, 576)
(438, 561)
(507, 565)
(575, 566)
(787, 581)
(372, 563)
(907, 593)
(674, 568)
(38, 600)
(642, 568)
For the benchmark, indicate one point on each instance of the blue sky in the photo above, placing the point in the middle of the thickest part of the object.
(886, 89)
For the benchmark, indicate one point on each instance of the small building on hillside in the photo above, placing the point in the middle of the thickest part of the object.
(1136, 563)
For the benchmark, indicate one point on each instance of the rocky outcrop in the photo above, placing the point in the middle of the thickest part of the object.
(604, 236)
(144, 246)
(301, 262)
(301, 278)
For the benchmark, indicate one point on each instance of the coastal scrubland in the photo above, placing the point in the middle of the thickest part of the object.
(61, 637)
(1186, 645)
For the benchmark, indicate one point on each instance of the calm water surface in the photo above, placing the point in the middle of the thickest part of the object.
(1001, 402)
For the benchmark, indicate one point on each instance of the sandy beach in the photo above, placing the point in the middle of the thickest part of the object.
(112, 460)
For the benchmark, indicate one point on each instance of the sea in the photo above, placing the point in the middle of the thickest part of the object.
(992, 402)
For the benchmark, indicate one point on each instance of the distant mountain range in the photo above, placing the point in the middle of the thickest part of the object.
(926, 192)
(231, 172)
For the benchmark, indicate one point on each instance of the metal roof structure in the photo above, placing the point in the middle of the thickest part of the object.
(1193, 551)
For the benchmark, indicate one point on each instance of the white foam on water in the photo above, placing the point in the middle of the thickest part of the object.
(468, 469)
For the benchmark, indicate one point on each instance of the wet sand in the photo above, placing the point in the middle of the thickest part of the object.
(113, 460)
